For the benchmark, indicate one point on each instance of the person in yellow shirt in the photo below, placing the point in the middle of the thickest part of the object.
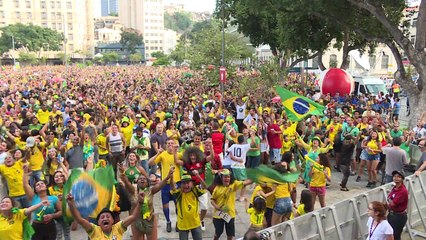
(287, 144)
(127, 125)
(333, 128)
(188, 217)
(12, 219)
(223, 202)
(257, 212)
(105, 228)
(36, 158)
(43, 114)
(266, 192)
(373, 148)
(305, 205)
(319, 178)
(167, 159)
(102, 144)
(12, 172)
(160, 113)
(16, 138)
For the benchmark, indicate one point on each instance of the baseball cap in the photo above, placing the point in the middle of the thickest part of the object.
(399, 173)
(185, 178)
(225, 172)
(30, 142)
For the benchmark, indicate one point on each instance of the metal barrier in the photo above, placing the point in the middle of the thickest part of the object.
(347, 219)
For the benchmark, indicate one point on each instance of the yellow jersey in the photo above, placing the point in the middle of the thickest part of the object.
(13, 176)
(188, 216)
(167, 160)
(116, 233)
(282, 191)
(36, 158)
(12, 229)
(256, 218)
(43, 116)
(102, 144)
(225, 198)
(318, 178)
(270, 200)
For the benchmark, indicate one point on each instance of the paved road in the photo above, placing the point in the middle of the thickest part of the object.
(242, 221)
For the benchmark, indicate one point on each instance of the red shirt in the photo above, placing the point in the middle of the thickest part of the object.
(216, 163)
(200, 167)
(399, 197)
(217, 140)
(274, 139)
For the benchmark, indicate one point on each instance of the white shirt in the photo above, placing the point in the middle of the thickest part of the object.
(241, 111)
(238, 151)
(2, 157)
(380, 231)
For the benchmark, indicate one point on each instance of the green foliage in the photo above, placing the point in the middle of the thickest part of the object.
(63, 58)
(205, 47)
(136, 57)
(161, 59)
(113, 14)
(110, 57)
(130, 39)
(29, 36)
(179, 21)
(27, 58)
(333, 63)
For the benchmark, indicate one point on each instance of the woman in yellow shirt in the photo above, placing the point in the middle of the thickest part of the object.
(12, 219)
(319, 177)
(373, 147)
(172, 132)
(56, 189)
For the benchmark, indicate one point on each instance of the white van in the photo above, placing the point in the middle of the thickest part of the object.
(369, 85)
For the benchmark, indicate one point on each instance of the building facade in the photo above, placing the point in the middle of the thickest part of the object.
(74, 18)
(109, 7)
(107, 29)
(146, 16)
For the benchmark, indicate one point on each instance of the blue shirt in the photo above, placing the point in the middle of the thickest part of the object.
(49, 210)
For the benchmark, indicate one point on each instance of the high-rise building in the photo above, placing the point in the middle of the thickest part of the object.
(146, 16)
(108, 7)
(74, 18)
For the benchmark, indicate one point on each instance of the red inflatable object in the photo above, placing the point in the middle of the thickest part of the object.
(336, 80)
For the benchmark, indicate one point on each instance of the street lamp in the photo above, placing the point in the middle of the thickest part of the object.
(223, 47)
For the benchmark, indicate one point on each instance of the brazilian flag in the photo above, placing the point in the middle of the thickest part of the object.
(92, 191)
(265, 174)
(298, 107)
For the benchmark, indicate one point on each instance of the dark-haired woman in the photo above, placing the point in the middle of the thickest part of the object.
(377, 225)
(43, 218)
(56, 189)
(320, 174)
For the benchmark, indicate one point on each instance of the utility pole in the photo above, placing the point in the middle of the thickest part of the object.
(13, 48)
(223, 47)
(65, 46)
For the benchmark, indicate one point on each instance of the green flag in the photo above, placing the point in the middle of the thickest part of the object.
(298, 107)
(265, 174)
(92, 191)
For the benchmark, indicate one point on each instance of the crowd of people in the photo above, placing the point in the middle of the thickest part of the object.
(164, 131)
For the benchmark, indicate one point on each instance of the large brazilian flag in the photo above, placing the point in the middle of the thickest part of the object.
(298, 107)
(92, 191)
(265, 174)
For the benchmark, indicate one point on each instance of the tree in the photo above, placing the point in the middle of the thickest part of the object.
(29, 36)
(63, 58)
(136, 57)
(110, 57)
(27, 58)
(131, 39)
(178, 21)
(205, 47)
(161, 59)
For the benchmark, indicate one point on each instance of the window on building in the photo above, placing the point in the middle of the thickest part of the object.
(43, 4)
(70, 37)
(44, 24)
(71, 47)
(52, 4)
(28, 4)
(16, 3)
(1, 3)
(18, 15)
(69, 27)
(44, 15)
(385, 61)
(1, 14)
(372, 61)
(58, 4)
(413, 24)
(69, 5)
(69, 16)
(53, 16)
(333, 60)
